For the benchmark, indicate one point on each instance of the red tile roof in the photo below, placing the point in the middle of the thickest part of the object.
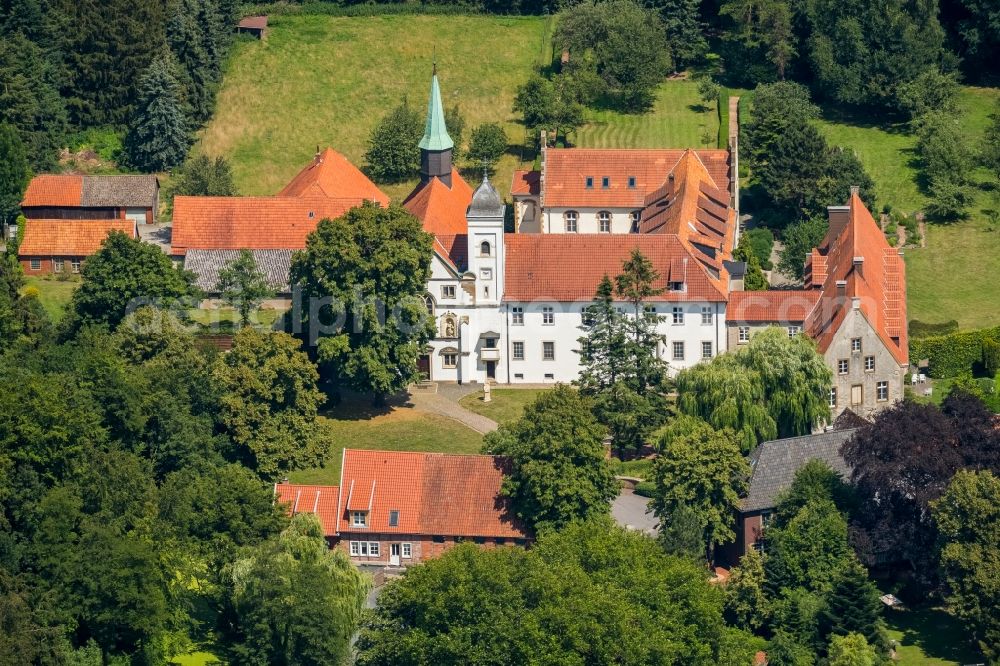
(53, 190)
(253, 223)
(872, 273)
(453, 250)
(525, 183)
(318, 500)
(566, 171)
(330, 174)
(254, 22)
(434, 493)
(441, 208)
(568, 267)
(69, 238)
(689, 205)
(771, 306)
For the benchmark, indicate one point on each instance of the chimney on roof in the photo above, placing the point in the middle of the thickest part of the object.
(318, 156)
(859, 265)
(841, 287)
(856, 303)
(839, 216)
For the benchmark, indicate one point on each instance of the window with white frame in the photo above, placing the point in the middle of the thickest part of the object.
(793, 331)
(833, 396)
(57, 265)
(447, 291)
(449, 358)
(843, 366)
(743, 335)
(855, 345)
(677, 315)
(359, 519)
(678, 350)
(635, 218)
(548, 351)
(569, 219)
(706, 349)
(74, 265)
(604, 222)
(869, 364)
(882, 391)
(356, 548)
(517, 350)
(517, 316)
(373, 549)
(706, 315)
(548, 315)
(407, 550)
(35, 264)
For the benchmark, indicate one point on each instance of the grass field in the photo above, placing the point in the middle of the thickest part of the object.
(357, 425)
(506, 405)
(322, 80)
(930, 637)
(952, 278)
(54, 295)
(678, 120)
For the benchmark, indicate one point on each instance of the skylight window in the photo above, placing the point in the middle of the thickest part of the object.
(631, 182)
(590, 182)
(605, 182)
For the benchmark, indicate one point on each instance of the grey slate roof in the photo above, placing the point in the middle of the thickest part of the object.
(119, 191)
(775, 463)
(206, 264)
(486, 201)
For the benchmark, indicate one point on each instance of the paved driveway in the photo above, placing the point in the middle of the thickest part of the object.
(629, 510)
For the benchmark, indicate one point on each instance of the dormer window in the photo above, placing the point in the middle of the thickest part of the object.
(605, 182)
(485, 249)
(634, 217)
(676, 286)
(359, 519)
(631, 182)
(590, 182)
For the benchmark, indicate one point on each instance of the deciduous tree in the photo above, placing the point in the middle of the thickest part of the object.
(269, 403)
(243, 285)
(799, 239)
(487, 144)
(704, 471)
(294, 600)
(125, 274)
(746, 602)
(851, 650)
(558, 471)
(362, 277)
(808, 550)
(393, 153)
(204, 177)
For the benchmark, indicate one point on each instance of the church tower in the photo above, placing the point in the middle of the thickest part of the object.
(436, 146)
(486, 250)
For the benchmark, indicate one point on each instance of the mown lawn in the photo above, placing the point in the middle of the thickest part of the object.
(679, 119)
(357, 425)
(322, 80)
(505, 406)
(930, 637)
(953, 277)
(54, 295)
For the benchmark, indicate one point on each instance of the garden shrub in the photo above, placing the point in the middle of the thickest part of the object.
(920, 329)
(953, 354)
(645, 489)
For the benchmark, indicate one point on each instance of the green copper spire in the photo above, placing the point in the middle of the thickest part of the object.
(435, 133)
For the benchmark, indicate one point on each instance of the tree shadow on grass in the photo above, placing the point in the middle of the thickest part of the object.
(936, 633)
(865, 120)
(351, 406)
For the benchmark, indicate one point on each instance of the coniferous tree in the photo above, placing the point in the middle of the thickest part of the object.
(853, 606)
(753, 279)
(14, 173)
(682, 533)
(602, 349)
(636, 286)
(189, 41)
(685, 31)
(158, 137)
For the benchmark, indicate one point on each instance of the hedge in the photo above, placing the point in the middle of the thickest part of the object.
(950, 355)
(919, 329)
(645, 489)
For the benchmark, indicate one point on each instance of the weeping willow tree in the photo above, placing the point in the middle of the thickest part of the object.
(776, 386)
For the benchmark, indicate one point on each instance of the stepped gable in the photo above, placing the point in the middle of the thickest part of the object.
(870, 273)
(330, 174)
(689, 205)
